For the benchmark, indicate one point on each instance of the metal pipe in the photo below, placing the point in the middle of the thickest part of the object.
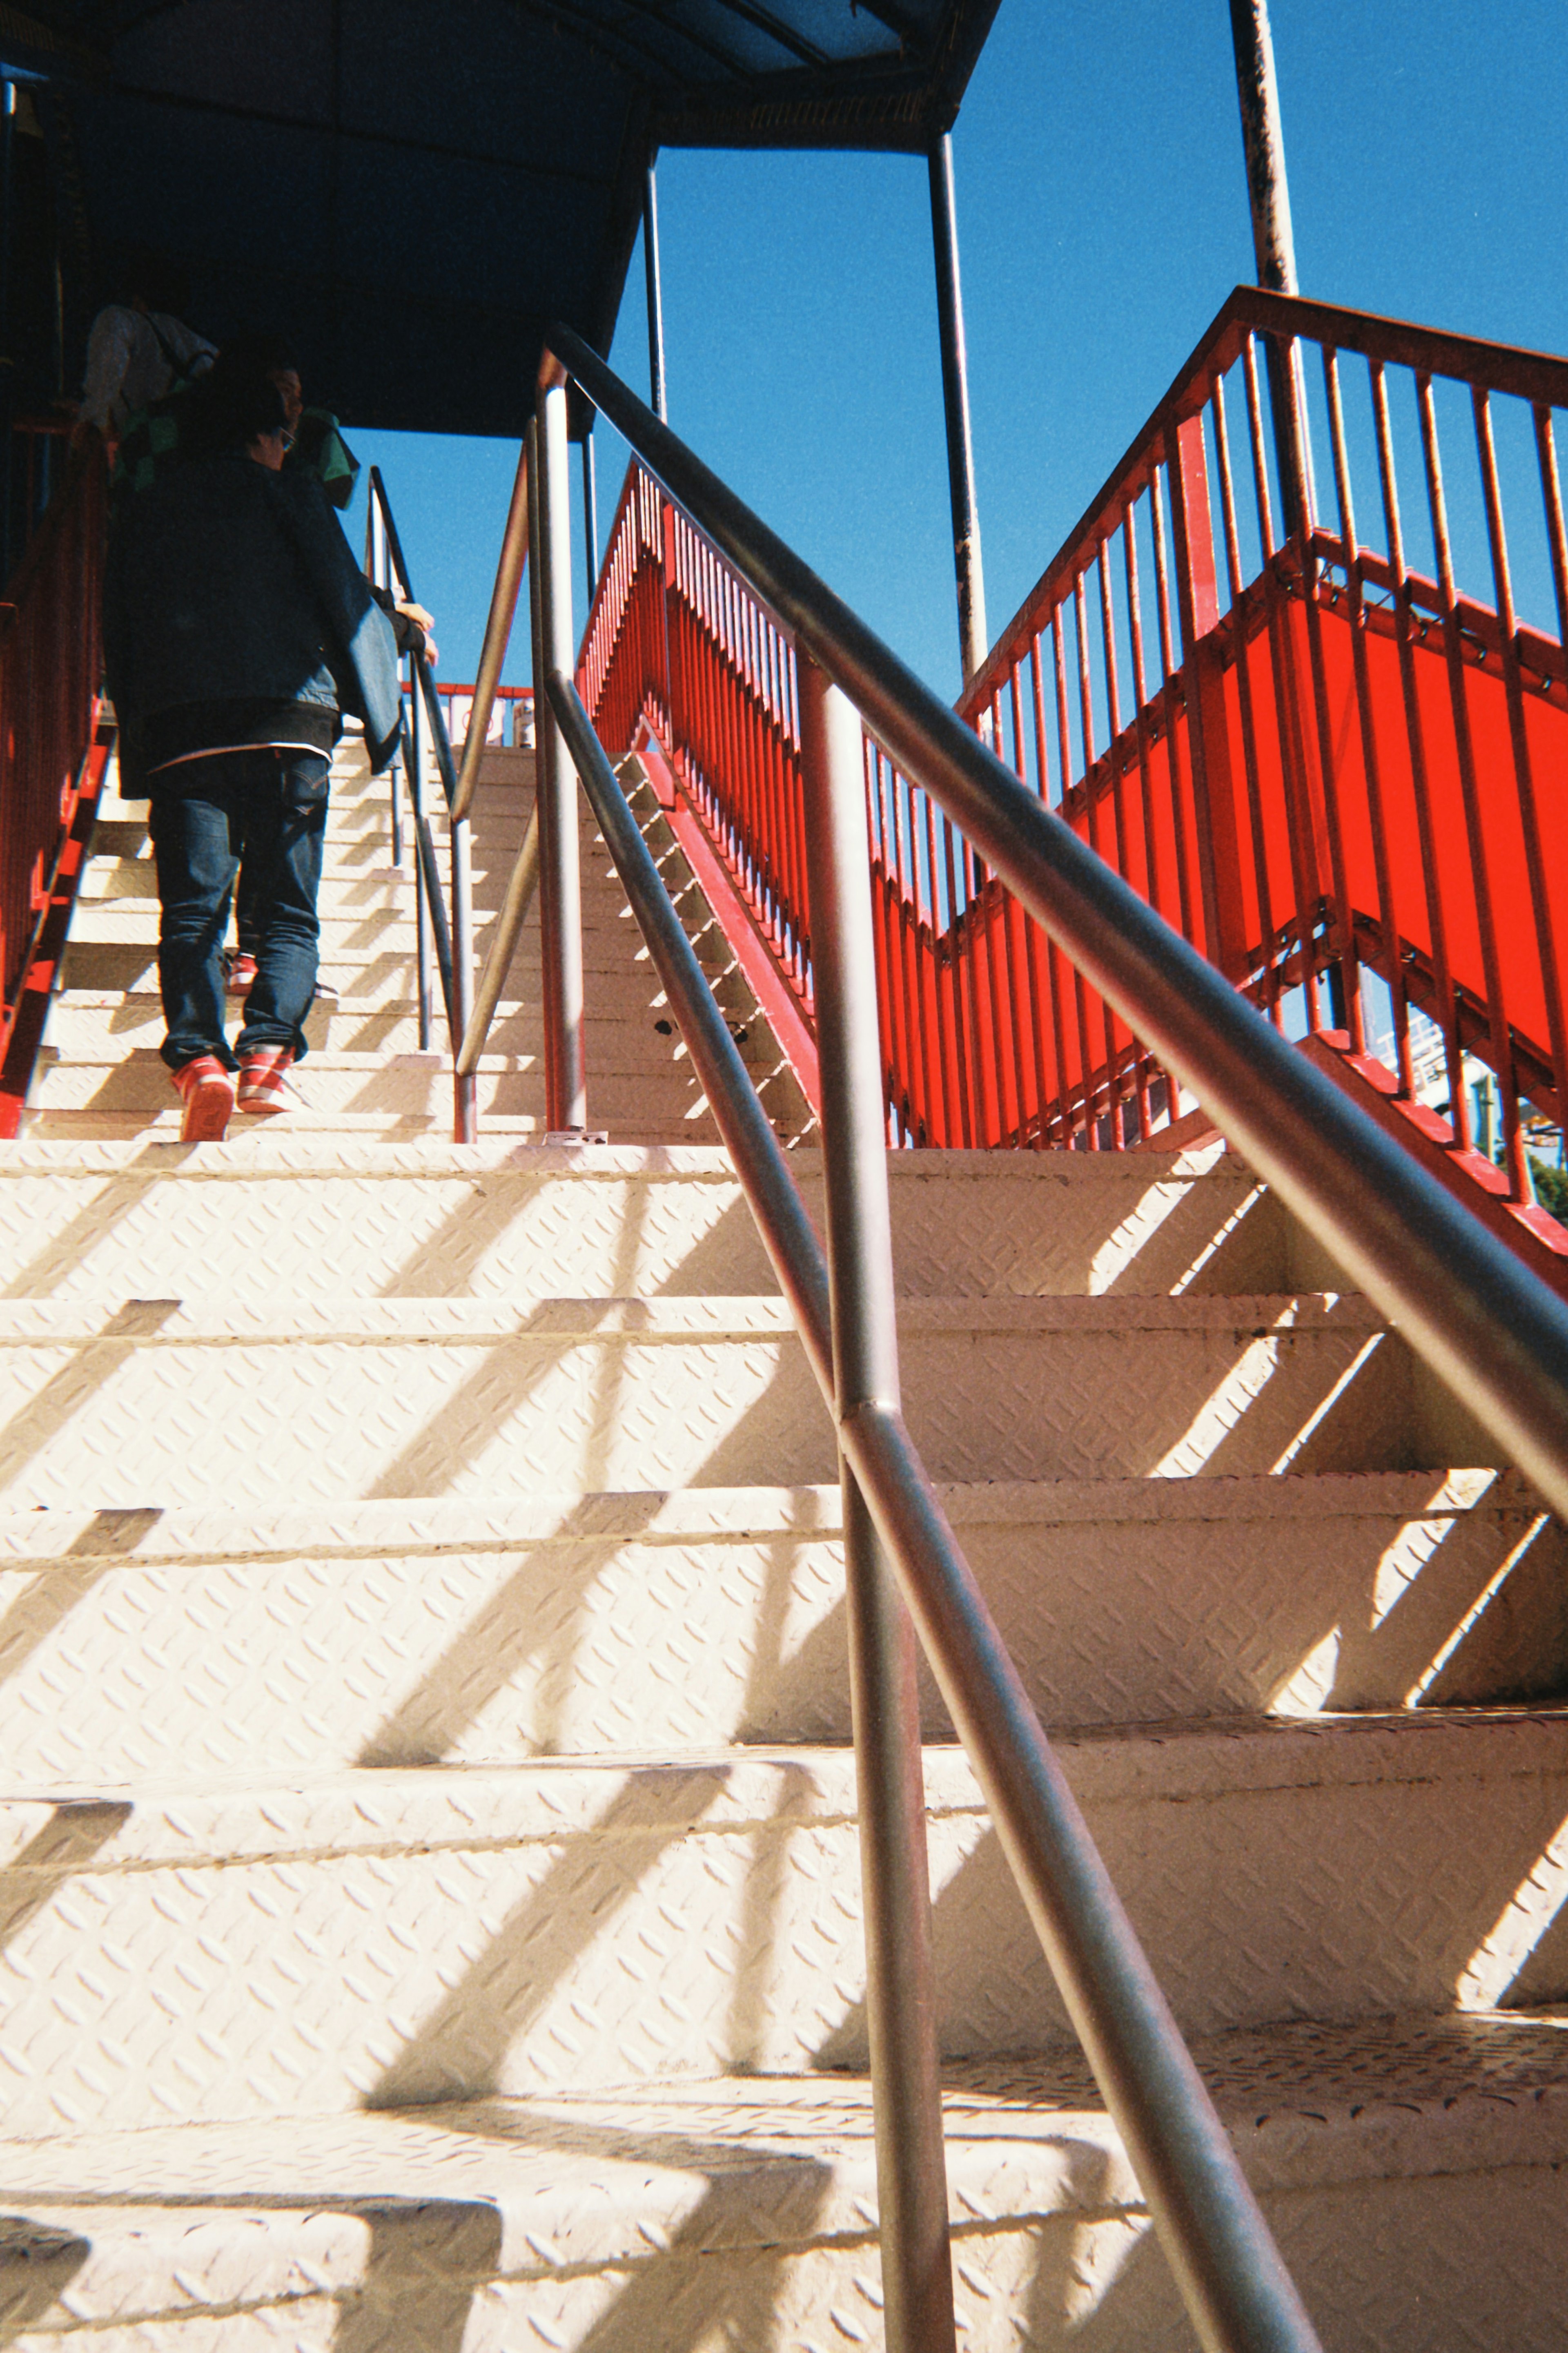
(519, 898)
(394, 799)
(590, 516)
(498, 634)
(966, 561)
(1488, 1327)
(654, 294)
(423, 935)
(465, 1082)
(1273, 238)
(1230, 2271)
(435, 906)
(561, 911)
(1263, 143)
(901, 1986)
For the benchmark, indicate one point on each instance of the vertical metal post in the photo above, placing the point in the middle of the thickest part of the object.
(655, 297)
(464, 1087)
(1273, 241)
(966, 563)
(421, 909)
(560, 892)
(498, 634)
(394, 799)
(900, 2000)
(590, 513)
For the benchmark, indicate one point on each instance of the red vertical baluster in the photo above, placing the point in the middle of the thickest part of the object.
(1405, 635)
(1241, 647)
(1500, 1050)
(1390, 927)
(1340, 943)
(1524, 785)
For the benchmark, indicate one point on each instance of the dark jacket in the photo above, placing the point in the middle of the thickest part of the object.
(228, 583)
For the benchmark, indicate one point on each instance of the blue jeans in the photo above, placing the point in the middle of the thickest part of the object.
(272, 806)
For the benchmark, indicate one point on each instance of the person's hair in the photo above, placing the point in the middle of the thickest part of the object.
(226, 411)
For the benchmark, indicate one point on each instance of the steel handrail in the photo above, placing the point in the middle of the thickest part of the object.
(1237, 2290)
(440, 741)
(1230, 2271)
(1484, 1322)
(497, 633)
(1488, 1327)
(454, 942)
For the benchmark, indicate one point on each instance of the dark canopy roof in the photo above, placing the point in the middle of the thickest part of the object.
(412, 189)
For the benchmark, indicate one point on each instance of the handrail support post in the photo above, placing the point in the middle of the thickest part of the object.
(560, 883)
(900, 2000)
(967, 565)
(1273, 246)
(422, 929)
(465, 1083)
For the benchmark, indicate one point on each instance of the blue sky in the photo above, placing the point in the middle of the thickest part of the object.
(1102, 220)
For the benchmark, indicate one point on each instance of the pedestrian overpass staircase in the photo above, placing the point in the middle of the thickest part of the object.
(431, 1912)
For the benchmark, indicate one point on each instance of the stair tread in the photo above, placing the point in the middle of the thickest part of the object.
(178, 1821)
(439, 1524)
(184, 2218)
(552, 1317)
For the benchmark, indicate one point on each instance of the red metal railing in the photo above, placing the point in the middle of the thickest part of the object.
(1335, 773)
(50, 672)
(1324, 764)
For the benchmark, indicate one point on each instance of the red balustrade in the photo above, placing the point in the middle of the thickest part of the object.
(51, 673)
(1337, 772)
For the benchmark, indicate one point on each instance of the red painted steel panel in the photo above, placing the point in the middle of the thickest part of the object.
(1234, 794)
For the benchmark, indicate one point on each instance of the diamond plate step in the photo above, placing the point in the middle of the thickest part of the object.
(433, 1218)
(224, 1950)
(138, 1644)
(668, 2220)
(344, 926)
(166, 1401)
(103, 1025)
(85, 1127)
(380, 967)
(635, 1095)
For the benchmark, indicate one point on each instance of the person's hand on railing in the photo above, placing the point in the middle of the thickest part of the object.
(424, 624)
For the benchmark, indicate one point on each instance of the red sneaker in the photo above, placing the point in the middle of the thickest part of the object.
(206, 1090)
(264, 1089)
(238, 972)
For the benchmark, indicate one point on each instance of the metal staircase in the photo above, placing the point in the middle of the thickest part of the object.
(432, 1909)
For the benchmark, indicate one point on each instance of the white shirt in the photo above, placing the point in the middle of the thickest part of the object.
(128, 368)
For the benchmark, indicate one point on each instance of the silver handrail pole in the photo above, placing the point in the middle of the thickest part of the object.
(395, 795)
(497, 633)
(504, 938)
(560, 902)
(900, 1984)
(376, 565)
(465, 1083)
(421, 902)
(1237, 2290)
